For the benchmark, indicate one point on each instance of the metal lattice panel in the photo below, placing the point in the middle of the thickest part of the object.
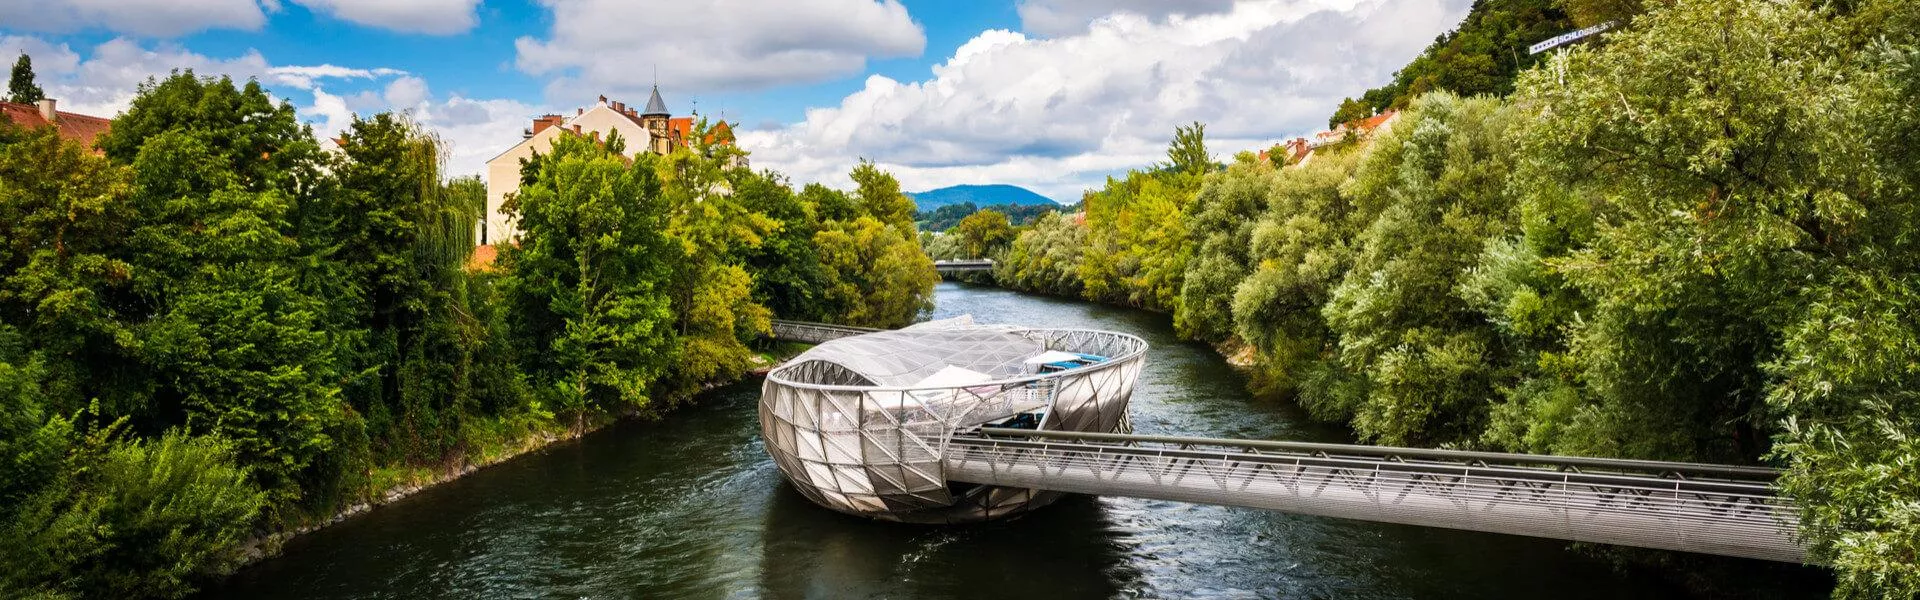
(846, 424)
(1710, 509)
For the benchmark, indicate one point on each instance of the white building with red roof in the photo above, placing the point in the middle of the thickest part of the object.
(85, 129)
(650, 129)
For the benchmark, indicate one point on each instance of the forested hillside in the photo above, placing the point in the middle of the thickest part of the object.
(945, 217)
(1483, 55)
(1690, 241)
(218, 331)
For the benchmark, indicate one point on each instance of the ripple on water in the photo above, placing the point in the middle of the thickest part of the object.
(690, 506)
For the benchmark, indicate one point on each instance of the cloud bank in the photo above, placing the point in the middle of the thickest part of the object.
(1060, 114)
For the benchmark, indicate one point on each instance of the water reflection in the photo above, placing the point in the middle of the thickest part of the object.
(1060, 552)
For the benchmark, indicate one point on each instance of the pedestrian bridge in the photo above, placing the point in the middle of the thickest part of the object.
(1713, 509)
(963, 265)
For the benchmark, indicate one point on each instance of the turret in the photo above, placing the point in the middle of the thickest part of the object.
(654, 118)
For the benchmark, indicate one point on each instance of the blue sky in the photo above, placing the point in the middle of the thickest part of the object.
(1051, 94)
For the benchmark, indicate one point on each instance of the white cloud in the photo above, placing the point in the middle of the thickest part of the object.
(150, 18)
(612, 46)
(303, 77)
(406, 92)
(104, 81)
(474, 130)
(436, 17)
(1060, 114)
(1067, 17)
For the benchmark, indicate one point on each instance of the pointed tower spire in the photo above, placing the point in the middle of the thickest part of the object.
(656, 106)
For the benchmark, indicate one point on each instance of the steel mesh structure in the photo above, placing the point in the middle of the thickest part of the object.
(852, 439)
(862, 424)
(1712, 509)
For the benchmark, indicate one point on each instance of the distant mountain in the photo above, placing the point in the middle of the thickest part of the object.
(979, 195)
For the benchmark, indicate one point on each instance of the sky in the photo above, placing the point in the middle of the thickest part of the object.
(1053, 95)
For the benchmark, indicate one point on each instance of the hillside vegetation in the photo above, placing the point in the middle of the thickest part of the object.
(1692, 240)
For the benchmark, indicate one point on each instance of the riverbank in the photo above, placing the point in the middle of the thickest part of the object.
(692, 506)
(398, 482)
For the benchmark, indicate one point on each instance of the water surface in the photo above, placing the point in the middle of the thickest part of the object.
(690, 506)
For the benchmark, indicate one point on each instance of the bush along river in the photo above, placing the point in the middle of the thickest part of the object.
(690, 506)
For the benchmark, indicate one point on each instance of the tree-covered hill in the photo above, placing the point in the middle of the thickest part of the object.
(945, 217)
(979, 195)
(1481, 56)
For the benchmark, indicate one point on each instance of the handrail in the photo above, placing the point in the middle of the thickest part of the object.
(1733, 471)
(779, 374)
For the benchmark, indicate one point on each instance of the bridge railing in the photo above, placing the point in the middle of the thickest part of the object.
(1719, 509)
(983, 264)
(1409, 456)
(813, 333)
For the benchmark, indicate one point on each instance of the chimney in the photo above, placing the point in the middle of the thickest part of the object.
(603, 98)
(47, 112)
(619, 106)
(541, 123)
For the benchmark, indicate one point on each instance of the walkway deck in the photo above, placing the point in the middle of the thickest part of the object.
(1712, 509)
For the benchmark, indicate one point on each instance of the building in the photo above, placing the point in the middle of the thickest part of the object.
(85, 129)
(1298, 151)
(650, 129)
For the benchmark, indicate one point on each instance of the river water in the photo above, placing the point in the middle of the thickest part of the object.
(690, 506)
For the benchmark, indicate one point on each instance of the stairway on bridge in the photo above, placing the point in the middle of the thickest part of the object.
(1713, 509)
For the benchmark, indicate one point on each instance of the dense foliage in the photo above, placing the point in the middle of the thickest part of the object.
(1692, 241)
(947, 216)
(1481, 56)
(213, 330)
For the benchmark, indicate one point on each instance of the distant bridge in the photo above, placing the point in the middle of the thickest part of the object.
(1712, 509)
(961, 266)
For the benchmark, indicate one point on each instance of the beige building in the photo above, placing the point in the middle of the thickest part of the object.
(650, 129)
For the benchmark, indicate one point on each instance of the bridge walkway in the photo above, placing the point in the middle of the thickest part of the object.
(1714, 509)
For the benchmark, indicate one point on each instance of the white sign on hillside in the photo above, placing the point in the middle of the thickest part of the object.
(1567, 38)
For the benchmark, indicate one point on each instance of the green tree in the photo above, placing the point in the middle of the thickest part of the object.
(400, 239)
(20, 86)
(88, 512)
(984, 233)
(1435, 188)
(589, 279)
(1221, 220)
(1300, 249)
(711, 291)
(1188, 152)
(1350, 110)
(1045, 257)
(787, 276)
(236, 342)
(1481, 56)
(880, 197)
(65, 279)
(879, 278)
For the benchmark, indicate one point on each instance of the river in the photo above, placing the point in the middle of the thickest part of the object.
(690, 506)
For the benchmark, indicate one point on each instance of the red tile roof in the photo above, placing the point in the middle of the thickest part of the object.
(483, 257)
(85, 129)
(1374, 122)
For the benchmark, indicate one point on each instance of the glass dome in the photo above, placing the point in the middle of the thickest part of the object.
(860, 424)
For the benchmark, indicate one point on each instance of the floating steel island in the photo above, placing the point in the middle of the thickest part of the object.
(862, 424)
